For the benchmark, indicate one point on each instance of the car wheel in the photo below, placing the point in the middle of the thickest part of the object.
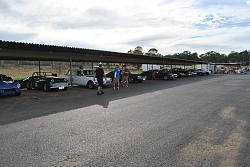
(45, 88)
(18, 93)
(29, 85)
(130, 80)
(90, 85)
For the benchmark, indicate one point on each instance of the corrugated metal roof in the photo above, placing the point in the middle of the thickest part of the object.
(28, 51)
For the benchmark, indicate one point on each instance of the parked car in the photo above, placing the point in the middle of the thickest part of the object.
(202, 72)
(240, 71)
(132, 78)
(85, 77)
(8, 86)
(45, 81)
(165, 74)
(148, 74)
(192, 72)
(182, 72)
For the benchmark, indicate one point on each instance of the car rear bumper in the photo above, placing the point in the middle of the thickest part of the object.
(59, 86)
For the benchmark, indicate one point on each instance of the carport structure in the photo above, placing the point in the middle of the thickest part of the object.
(39, 52)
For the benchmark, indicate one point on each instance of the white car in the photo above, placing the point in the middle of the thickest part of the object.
(85, 78)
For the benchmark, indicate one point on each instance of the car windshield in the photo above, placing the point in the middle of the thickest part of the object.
(43, 74)
(5, 78)
(88, 72)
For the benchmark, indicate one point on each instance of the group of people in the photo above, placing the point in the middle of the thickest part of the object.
(120, 75)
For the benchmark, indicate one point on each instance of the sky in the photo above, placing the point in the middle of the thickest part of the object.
(171, 26)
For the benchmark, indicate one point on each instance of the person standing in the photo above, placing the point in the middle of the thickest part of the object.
(125, 75)
(99, 74)
(117, 76)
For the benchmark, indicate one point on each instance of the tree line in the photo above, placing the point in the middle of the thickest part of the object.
(211, 56)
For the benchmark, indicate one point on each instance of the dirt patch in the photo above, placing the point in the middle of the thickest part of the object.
(203, 151)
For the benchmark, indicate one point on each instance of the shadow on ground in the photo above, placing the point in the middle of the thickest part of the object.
(33, 104)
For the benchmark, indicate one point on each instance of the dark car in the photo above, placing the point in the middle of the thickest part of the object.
(164, 74)
(8, 86)
(192, 72)
(149, 74)
(132, 78)
(201, 72)
(45, 81)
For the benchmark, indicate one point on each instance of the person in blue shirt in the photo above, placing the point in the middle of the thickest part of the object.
(117, 76)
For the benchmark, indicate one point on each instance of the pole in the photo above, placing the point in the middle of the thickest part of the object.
(39, 66)
(70, 67)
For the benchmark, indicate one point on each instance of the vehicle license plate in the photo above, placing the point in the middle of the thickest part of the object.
(61, 87)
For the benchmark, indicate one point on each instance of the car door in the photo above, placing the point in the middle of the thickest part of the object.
(88, 76)
(77, 78)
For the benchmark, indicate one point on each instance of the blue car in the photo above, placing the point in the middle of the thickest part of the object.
(8, 86)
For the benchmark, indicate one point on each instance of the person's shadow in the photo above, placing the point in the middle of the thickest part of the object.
(103, 101)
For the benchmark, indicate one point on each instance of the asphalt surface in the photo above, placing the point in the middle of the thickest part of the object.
(200, 121)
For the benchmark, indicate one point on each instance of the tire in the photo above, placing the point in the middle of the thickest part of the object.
(45, 88)
(90, 85)
(29, 86)
(131, 80)
(18, 94)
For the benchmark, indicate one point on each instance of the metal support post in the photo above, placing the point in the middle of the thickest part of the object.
(70, 67)
(39, 66)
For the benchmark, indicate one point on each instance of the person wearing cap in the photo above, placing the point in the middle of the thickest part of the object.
(99, 74)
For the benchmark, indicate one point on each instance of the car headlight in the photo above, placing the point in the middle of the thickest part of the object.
(18, 86)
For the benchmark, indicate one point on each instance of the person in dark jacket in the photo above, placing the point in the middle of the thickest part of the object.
(99, 74)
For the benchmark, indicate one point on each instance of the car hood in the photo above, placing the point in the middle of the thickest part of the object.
(8, 85)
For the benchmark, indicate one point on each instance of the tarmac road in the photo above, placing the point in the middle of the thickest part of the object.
(201, 121)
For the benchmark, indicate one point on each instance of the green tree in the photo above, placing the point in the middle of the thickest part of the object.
(186, 55)
(214, 57)
(138, 50)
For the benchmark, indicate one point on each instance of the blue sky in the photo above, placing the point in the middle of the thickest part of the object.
(169, 25)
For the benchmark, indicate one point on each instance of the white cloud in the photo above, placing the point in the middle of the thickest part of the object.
(168, 25)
